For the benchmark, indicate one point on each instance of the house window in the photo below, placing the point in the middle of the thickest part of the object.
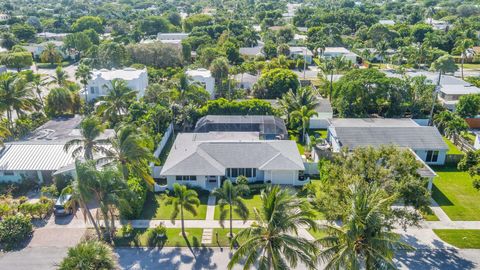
(432, 156)
(247, 172)
(8, 173)
(186, 178)
(92, 90)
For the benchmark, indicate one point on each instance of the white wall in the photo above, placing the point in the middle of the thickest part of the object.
(17, 176)
(281, 177)
(476, 145)
(201, 181)
(423, 155)
(99, 85)
(207, 82)
(320, 121)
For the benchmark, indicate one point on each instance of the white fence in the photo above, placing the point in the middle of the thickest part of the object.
(161, 145)
(311, 168)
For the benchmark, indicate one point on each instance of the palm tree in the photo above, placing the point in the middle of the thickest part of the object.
(272, 241)
(329, 66)
(382, 48)
(109, 190)
(38, 84)
(89, 255)
(463, 46)
(60, 77)
(231, 195)
(303, 115)
(4, 133)
(90, 129)
(81, 191)
(450, 124)
(116, 102)
(183, 199)
(291, 101)
(84, 74)
(130, 150)
(51, 54)
(15, 96)
(442, 65)
(365, 240)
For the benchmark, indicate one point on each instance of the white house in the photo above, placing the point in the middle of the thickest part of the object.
(4, 17)
(451, 88)
(438, 25)
(206, 159)
(301, 52)
(136, 79)
(246, 80)
(52, 36)
(172, 38)
(42, 154)
(204, 77)
(332, 52)
(387, 22)
(324, 113)
(37, 49)
(425, 141)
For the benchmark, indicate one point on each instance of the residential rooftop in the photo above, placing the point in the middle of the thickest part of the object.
(194, 154)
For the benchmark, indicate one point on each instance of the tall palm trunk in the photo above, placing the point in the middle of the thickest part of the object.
(90, 217)
(463, 61)
(183, 221)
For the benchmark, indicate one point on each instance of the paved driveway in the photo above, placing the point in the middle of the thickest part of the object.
(215, 258)
(33, 258)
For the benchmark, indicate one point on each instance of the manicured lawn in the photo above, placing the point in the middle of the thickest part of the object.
(452, 148)
(321, 132)
(430, 217)
(469, 66)
(251, 202)
(155, 207)
(454, 192)
(174, 238)
(460, 238)
(223, 240)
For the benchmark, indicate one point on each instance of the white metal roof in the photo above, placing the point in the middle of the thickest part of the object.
(201, 72)
(34, 157)
(126, 74)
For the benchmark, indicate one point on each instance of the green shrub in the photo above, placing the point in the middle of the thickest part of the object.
(62, 181)
(89, 255)
(14, 230)
(50, 191)
(136, 197)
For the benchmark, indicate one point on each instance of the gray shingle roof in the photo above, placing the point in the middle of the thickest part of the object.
(190, 156)
(411, 137)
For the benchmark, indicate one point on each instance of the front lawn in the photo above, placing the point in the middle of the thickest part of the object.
(223, 240)
(155, 207)
(460, 238)
(174, 238)
(430, 217)
(252, 201)
(452, 148)
(454, 192)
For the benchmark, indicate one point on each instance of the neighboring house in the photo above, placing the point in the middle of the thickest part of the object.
(269, 127)
(37, 49)
(332, 52)
(3, 69)
(4, 17)
(324, 113)
(172, 38)
(206, 159)
(52, 36)
(252, 51)
(136, 79)
(203, 77)
(387, 22)
(425, 141)
(246, 80)
(301, 52)
(41, 154)
(438, 25)
(451, 88)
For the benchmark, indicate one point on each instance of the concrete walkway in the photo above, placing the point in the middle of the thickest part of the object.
(442, 216)
(210, 208)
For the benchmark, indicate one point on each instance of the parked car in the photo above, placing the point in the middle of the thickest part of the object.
(59, 207)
